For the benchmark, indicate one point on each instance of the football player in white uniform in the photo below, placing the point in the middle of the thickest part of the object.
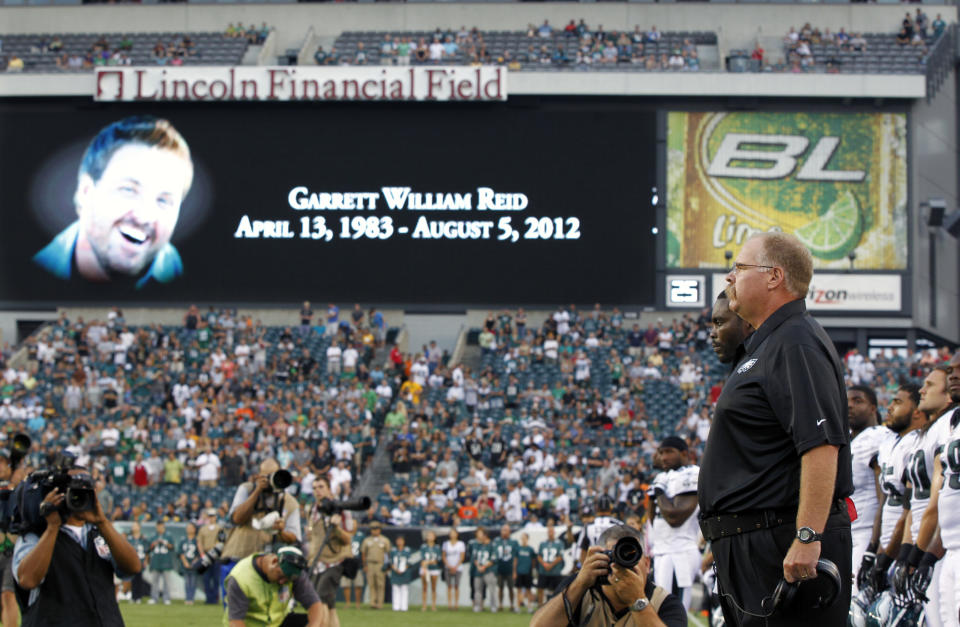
(590, 533)
(940, 526)
(673, 509)
(866, 438)
(906, 420)
(934, 401)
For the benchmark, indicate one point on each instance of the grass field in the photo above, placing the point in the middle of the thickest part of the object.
(182, 615)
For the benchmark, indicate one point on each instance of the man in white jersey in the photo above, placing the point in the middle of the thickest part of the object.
(673, 509)
(933, 402)
(940, 527)
(866, 438)
(905, 419)
(590, 534)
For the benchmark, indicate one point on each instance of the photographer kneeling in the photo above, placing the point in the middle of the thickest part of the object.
(606, 593)
(67, 567)
(259, 588)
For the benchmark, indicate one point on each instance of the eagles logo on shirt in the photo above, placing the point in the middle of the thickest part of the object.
(746, 366)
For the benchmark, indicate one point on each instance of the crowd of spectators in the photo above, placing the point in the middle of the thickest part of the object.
(544, 45)
(119, 50)
(559, 410)
(172, 418)
(173, 52)
(253, 34)
(801, 44)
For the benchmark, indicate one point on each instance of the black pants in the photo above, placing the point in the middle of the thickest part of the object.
(139, 588)
(295, 620)
(750, 565)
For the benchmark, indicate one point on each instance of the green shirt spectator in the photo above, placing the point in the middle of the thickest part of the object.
(162, 550)
(401, 571)
(395, 419)
(187, 552)
(549, 551)
(505, 550)
(525, 560)
(482, 558)
(172, 469)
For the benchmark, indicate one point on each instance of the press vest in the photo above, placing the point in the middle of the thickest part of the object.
(245, 540)
(266, 608)
(78, 589)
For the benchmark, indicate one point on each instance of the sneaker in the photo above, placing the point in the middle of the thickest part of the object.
(152, 602)
(476, 610)
(493, 610)
(166, 602)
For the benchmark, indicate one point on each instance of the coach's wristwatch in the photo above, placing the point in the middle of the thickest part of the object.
(640, 604)
(806, 535)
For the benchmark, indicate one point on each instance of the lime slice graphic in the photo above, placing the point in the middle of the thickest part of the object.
(835, 233)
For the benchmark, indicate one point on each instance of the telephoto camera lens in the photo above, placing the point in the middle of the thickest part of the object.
(281, 480)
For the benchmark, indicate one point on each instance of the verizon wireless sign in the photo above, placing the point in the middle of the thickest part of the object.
(846, 292)
(301, 83)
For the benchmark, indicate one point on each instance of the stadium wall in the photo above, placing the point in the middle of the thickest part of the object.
(737, 25)
(934, 175)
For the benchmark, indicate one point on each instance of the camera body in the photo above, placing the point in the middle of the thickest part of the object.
(20, 511)
(626, 553)
(271, 499)
(211, 556)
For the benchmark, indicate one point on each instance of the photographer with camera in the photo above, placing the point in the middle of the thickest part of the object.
(210, 536)
(66, 569)
(330, 534)
(11, 474)
(612, 588)
(262, 513)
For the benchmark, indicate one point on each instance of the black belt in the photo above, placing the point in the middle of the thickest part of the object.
(718, 526)
(727, 525)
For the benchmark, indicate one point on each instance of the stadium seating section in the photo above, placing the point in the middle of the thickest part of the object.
(882, 56)
(206, 49)
(532, 53)
(572, 413)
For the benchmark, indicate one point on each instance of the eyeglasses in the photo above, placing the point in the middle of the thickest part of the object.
(738, 267)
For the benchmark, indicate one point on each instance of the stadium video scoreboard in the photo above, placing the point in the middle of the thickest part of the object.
(525, 201)
(472, 203)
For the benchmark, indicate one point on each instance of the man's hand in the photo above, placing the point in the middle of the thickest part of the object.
(922, 577)
(866, 568)
(879, 576)
(54, 498)
(901, 578)
(94, 516)
(801, 561)
(596, 565)
(261, 484)
(627, 584)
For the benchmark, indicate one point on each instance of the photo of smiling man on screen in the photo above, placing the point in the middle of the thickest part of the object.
(132, 180)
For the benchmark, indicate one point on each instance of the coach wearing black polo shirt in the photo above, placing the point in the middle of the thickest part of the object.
(776, 469)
